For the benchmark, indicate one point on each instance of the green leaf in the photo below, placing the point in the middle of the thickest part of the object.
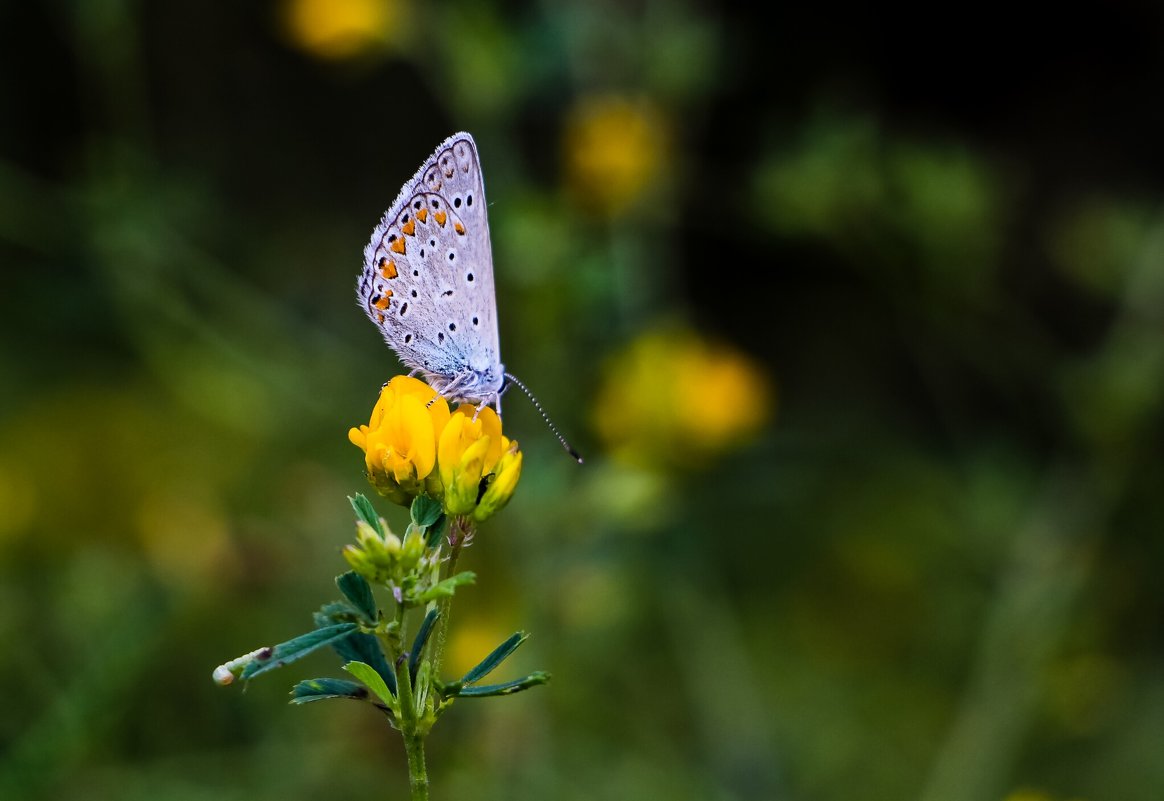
(357, 590)
(446, 588)
(367, 674)
(334, 612)
(422, 685)
(366, 648)
(357, 646)
(297, 648)
(421, 638)
(425, 511)
(449, 689)
(498, 655)
(319, 689)
(433, 535)
(365, 511)
(509, 688)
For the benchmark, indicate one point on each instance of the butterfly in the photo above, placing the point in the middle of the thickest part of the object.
(427, 281)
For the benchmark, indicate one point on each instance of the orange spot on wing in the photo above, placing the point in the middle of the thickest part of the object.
(459, 228)
(422, 215)
(383, 302)
(398, 246)
(409, 228)
(380, 317)
(388, 269)
(440, 217)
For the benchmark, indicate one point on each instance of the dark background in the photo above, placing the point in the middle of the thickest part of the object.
(930, 241)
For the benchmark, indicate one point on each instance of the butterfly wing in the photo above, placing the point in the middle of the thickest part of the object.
(427, 281)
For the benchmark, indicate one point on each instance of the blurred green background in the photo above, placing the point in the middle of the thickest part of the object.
(857, 315)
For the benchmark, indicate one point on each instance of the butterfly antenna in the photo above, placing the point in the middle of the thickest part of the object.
(546, 417)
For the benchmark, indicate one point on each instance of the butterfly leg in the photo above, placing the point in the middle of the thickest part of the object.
(448, 389)
(497, 398)
(481, 406)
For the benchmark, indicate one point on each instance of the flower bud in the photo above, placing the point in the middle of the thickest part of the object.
(468, 450)
(413, 548)
(505, 477)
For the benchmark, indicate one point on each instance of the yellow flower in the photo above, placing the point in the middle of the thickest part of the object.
(400, 440)
(613, 147)
(716, 398)
(479, 467)
(338, 29)
(501, 483)
(413, 445)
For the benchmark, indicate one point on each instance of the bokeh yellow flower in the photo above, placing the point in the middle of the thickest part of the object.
(400, 440)
(675, 398)
(470, 640)
(339, 29)
(613, 148)
(1030, 794)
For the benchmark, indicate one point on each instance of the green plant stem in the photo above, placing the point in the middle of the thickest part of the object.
(413, 736)
(417, 771)
(411, 728)
(461, 529)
